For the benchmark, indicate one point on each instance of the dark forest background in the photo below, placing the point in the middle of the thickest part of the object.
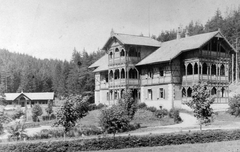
(19, 72)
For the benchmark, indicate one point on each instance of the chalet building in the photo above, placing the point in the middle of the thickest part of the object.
(162, 74)
(15, 100)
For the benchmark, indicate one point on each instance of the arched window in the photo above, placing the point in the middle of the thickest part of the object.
(195, 68)
(122, 92)
(116, 74)
(183, 92)
(111, 74)
(189, 69)
(222, 70)
(134, 74)
(111, 55)
(222, 92)
(213, 91)
(116, 50)
(122, 53)
(189, 92)
(122, 73)
(204, 70)
(213, 69)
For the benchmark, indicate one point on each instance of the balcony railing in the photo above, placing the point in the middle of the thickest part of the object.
(196, 78)
(123, 82)
(158, 80)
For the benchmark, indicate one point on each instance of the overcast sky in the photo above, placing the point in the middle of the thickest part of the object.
(52, 28)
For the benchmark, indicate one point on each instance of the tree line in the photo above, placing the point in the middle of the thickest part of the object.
(229, 26)
(20, 72)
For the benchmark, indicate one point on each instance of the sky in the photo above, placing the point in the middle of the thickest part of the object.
(53, 28)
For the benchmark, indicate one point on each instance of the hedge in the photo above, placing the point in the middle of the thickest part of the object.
(108, 143)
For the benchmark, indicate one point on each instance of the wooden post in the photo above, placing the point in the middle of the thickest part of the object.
(232, 68)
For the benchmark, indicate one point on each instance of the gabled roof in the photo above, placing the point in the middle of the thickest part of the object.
(31, 96)
(173, 48)
(102, 60)
(126, 39)
(101, 64)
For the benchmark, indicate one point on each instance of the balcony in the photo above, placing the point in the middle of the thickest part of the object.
(123, 82)
(190, 79)
(158, 80)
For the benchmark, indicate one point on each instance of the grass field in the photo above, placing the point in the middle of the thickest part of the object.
(226, 146)
(144, 117)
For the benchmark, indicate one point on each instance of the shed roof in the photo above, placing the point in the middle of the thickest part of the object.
(31, 96)
(173, 48)
(133, 40)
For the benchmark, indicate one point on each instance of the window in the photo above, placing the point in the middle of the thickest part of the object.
(161, 72)
(150, 73)
(161, 93)
(115, 95)
(150, 94)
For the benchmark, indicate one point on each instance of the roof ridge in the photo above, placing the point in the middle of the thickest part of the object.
(191, 36)
(134, 35)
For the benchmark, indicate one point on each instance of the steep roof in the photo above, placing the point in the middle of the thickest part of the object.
(31, 96)
(102, 60)
(133, 40)
(173, 48)
(101, 64)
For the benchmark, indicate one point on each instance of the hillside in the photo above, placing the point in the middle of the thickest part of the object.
(20, 72)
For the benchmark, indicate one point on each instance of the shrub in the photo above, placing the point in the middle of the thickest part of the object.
(114, 120)
(128, 104)
(174, 113)
(120, 142)
(142, 105)
(92, 107)
(46, 118)
(234, 105)
(4, 119)
(152, 109)
(161, 113)
(100, 106)
(36, 111)
(17, 114)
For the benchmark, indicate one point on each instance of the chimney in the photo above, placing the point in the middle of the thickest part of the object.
(178, 33)
(112, 33)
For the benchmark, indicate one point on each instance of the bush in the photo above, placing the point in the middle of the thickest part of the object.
(114, 120)
(142, 105)
(100, 106)
(161, 113)
(92, 107)
(174, 113)
(36, 111)
(46, 117)
(17, 114)
(120, 142)
(234, 105)
(152, 109)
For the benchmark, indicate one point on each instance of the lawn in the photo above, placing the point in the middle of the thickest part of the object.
(225, 146)
(224, 118)
(144, 117)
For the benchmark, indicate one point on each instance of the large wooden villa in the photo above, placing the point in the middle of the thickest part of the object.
(162, 74)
